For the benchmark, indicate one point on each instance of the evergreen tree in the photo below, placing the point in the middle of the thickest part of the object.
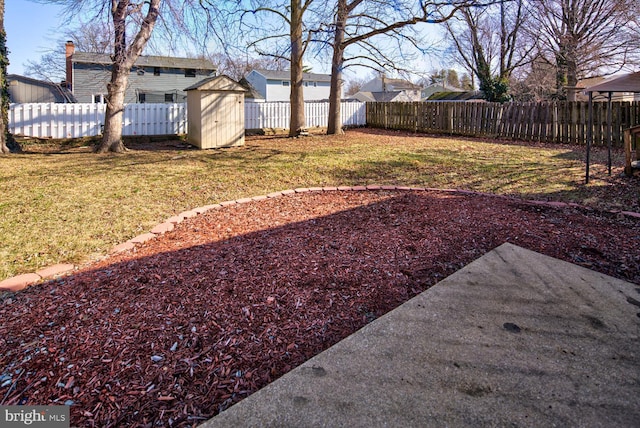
(4, 92)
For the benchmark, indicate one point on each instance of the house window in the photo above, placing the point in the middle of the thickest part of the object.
(189, 72)
(98, 99)
(315, 84)
(156, 71)
(142, 98)
(169, 98)
(285, 83)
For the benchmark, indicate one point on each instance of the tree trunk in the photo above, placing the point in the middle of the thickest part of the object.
(123, 60)
(112, 137)
(561, 75)
(334, 126)
(4, 95)
(296, 98)
(572, 71)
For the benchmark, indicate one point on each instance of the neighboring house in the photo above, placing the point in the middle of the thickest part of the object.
(153, 79)
(402, 90)
(27, 90)
(252, 95)
(382, 97)
(276, 85)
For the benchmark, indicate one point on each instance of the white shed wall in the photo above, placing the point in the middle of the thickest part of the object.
(222, 119)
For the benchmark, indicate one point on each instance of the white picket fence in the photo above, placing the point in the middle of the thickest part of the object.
(49, 120)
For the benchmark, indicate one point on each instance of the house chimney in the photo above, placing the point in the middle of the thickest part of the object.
(68, 53)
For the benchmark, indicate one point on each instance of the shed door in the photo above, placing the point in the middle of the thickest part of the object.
(223, 118)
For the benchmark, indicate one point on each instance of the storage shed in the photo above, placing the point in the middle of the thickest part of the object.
(215, 111)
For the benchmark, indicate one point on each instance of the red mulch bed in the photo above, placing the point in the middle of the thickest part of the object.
(192, 322)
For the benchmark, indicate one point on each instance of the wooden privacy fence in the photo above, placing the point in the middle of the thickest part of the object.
(559, 122)
(49, 120)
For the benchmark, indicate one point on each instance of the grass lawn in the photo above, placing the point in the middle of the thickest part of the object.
(62, 203)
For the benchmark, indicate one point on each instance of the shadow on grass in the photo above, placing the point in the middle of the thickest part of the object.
(207, 317)
(475, 165)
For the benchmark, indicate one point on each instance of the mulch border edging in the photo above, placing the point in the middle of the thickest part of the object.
(20, 282)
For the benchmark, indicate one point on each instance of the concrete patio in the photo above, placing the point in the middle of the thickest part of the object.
(513, 339)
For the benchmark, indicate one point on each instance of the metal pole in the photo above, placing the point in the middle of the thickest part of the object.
(589, 136)
(609, 136)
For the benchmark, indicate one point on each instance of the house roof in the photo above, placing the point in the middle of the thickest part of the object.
(627, 83)
(363, 96)
(217, 83)
(286, 75)
(456, 96)
(385, 96)
(380, 97)
(443, 87)
(401, 84)
(146, 61)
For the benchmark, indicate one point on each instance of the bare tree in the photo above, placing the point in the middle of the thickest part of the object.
(466, 82)
(489, 40)
(360, 22)
(586, 38)
(298, 47)
(536, 82)
(4, 93)
(131, 24)
(298, 30)
(50, 66)
(354, 85)
(93, 36)
(236, 66)
(124, 56)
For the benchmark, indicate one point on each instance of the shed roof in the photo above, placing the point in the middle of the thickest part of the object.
(146, 61)
(217, 83)
(627, 83)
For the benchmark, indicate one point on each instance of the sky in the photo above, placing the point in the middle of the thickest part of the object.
(31, 30)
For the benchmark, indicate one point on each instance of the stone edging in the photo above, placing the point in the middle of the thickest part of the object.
(20, 282)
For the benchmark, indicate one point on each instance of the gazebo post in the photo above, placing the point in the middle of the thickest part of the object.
(609, 130)
(627, 83)
(589, 137)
